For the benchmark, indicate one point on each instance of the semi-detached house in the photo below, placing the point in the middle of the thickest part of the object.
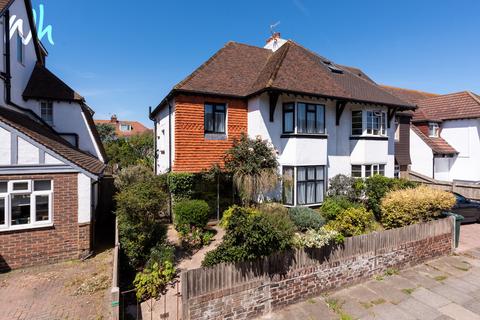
(322, 118)
(51, 158)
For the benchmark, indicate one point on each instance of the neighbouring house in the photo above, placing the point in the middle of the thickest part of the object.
(124, 128)
(444, 136)
(322, 118)
(51, 158)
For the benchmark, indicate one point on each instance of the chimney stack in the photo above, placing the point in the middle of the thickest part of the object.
(274, 42)
(113, 119)
(274, 37)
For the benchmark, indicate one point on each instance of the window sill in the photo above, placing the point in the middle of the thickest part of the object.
(215, 136)
(305, 135)
(26, 227)
(382, 138)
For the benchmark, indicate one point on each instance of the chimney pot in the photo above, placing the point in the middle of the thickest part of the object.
(113, 119)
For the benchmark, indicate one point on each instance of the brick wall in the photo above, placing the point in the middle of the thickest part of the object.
(267, 292)
(192, 151)
(65, 240)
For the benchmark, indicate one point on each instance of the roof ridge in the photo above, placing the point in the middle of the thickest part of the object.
(475, 97)
(274, 74)
(413, 90)
(203, 65)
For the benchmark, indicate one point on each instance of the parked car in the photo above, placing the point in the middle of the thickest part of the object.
(469, 209)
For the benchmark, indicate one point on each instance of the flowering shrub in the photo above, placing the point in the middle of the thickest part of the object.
(353, 222)
(235, 210)
(404, 207)
(316, 238)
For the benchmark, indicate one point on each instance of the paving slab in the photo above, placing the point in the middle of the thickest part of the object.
(387, 291)
(452, 294)
(390, 311)
(458, 312)
(430, 298)
(418, 309)
(418, 279)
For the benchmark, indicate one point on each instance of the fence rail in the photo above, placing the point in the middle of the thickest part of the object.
(469, 190)
(200, 281)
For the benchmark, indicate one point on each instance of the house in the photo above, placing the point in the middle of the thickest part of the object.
(322, 118)
(51, 158)
(444, 137)
(124, 128)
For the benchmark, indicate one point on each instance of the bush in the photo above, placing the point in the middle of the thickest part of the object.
(377, 186)
(272, 208)
(181, 185)
(160, 253)
(235, 210)
(353, 222)
(317, 238)
(305, 218)
(132, 174)
(332, 207)
(404, 207)
(140, 207)
(152, 281)
(344, 186)
(191, 213)
(252, 236)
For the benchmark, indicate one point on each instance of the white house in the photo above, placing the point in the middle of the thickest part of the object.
(51, 158)
(445, 137)
(322, 118)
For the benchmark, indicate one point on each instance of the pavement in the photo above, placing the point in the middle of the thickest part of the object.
(445, 288)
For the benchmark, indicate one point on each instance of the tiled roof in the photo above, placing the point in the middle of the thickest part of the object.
(43, 84)
(4, 4)
(242, 70)
(408, 95)
(460, 105)
(51, 140)
(438, 145)
(137, 127)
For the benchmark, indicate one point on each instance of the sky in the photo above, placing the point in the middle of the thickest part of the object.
(124, 56)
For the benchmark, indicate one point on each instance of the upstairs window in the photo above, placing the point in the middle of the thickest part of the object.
(20, 49)
(397, 129)
(126, 127)
(372, 123)
(367, 170)
(46, 110)
(433, 130)
(215, 117)
(310, 118)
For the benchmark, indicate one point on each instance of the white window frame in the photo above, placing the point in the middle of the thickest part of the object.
(383, 125)
(48, 104)
(433, 130)
(374, 169)
(129, 126)
(7, 226)
(397, 129)
(22, 46)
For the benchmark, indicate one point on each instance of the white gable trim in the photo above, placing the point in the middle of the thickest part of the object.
(46, 150)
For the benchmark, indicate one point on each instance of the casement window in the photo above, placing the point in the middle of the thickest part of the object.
(367, 170)
(288, 185)
(310, 118)
(373, 123)
(215, 118)
(25, 204)
(126, 127)
(397, 129)
(396, 171)
(310, 185)
(46, 111)
(433, 130)
(20, 48)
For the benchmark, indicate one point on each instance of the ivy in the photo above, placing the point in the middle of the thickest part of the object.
(181, 184)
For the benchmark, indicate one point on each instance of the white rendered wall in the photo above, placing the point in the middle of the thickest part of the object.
(163, 139)
(84, 198)
(27, 153)
(463, 135)
(5, 145)
(421, 155)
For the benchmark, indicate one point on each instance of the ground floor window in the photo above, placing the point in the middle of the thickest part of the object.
(396, 171)
(367, 170)
(309, 182)
(25, 203)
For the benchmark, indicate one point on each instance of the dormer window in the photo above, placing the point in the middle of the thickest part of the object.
(433, 130)
(46, 110)
(126, 127)
(20, 49)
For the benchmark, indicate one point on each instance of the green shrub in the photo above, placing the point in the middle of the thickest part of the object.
(181, 185)
(306, 218)
(252, 236)
(377, 186)
(132, 174)
(191, 213)
(344, 186)
(317, 238)
(140, 207)
(404, 207)
(334, 206)
(152, 281)
(160, 253)
(353, 222)
(272, 208)
(234, 210)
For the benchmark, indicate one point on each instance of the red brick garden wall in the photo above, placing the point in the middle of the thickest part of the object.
(193, 152)
(66, 239)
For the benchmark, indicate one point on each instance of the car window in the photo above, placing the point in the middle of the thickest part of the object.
(460, 198)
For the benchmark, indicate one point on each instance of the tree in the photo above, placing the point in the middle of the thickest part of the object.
(137, 149)
(106, 132)
(253, 165)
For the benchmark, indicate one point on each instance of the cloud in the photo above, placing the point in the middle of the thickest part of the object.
(301, 7)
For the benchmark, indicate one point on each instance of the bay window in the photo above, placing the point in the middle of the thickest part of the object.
(310, 118)
(367, 170)
(310, 185)
(369, 122)
(288, 185)
(215, 116)
(25, 204)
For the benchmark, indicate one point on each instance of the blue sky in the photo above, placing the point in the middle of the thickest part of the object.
(124, 56)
